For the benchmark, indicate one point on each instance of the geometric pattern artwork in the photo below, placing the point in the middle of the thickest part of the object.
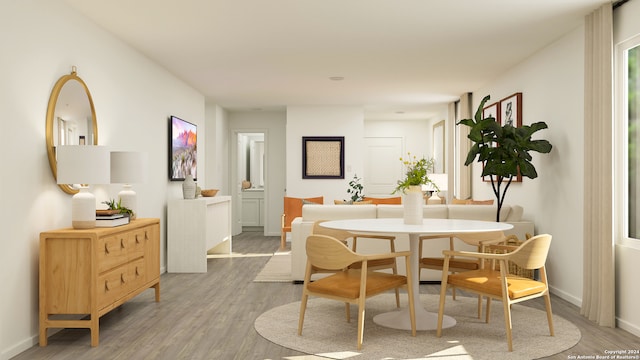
(323, 157)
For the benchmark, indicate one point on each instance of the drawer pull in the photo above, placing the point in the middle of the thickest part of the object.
(137, 271)
(106, 248)
(106, 285)
(146, 235)
(122, 280)
(137, 240)
(122, 243)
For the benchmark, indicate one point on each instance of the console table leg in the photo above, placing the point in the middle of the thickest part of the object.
(157, 290)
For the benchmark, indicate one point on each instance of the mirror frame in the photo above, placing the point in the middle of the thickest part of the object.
(51, 112)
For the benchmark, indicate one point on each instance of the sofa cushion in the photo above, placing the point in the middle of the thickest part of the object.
(338, 212)
(478, 212)
(396, 211)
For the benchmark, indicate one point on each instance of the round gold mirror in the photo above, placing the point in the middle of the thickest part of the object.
(71, 119)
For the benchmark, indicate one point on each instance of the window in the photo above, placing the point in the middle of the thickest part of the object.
(628, 115)
(633, 144)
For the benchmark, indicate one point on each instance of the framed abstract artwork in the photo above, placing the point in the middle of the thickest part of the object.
(511, 110)
(323, 157)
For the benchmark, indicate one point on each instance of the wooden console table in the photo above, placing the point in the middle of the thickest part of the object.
(92, 271)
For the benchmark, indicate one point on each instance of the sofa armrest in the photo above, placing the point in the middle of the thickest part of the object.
(300, 230)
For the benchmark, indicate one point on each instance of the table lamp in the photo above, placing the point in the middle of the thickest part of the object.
(441, 181)
(84, 165)
(128, 167)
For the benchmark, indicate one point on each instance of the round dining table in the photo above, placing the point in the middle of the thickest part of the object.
(425, 320)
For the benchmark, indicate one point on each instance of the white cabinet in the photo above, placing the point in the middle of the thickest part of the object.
(195, 227)
(252, 208)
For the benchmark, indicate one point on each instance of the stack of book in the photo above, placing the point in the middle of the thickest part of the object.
(111, 219)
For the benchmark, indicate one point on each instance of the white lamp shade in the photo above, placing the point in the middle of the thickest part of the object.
(441, 181)
(128, 167)
(82, 164)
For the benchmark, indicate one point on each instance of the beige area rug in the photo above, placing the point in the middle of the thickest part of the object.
(327, 334)
(277, 269)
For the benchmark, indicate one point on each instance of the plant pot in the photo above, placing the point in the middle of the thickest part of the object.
(413, 202)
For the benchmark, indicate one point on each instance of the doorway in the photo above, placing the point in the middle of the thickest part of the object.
(250, 181)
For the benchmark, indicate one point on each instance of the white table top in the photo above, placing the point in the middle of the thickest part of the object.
(428, 226)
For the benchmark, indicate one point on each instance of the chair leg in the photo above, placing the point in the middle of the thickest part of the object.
(507, 323)
(397, 297)
(360, 323)
(479, 306)
(547, 303)
(303, 308)
(488, 310)
(283, 240)
(443, 294)
(347, 311)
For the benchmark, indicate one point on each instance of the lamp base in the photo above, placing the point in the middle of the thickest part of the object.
(83, 209)
(129, 199)
(434, 199)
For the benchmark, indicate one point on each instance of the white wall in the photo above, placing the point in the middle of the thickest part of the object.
(133, 98)
(552, 84)
(272, 123)
(323, 121)
(627, 25)
(217, 149)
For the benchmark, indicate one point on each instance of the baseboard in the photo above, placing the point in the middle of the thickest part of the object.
(627, 326)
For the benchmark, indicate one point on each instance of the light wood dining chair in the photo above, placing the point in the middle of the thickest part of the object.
(373, 265)
(494, 281)
(457, 264)
(351, 286)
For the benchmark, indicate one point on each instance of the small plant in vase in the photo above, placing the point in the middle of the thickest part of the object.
(113, 205)
(355, 189)
(411, 187)
(416, 173)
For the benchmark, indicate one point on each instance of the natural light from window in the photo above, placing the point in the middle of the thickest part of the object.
(633, 163)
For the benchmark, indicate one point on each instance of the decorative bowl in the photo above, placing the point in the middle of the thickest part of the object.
(209, 192)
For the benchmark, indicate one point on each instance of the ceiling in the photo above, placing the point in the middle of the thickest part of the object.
(396, 58)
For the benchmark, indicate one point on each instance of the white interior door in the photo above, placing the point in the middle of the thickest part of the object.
(382, 166)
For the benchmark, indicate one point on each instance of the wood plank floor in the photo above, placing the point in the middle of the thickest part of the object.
(211, 316)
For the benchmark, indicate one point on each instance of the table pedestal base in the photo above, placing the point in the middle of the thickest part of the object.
(401, 320)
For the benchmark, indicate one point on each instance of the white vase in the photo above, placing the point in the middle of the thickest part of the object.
(189, 187)
(413, 202)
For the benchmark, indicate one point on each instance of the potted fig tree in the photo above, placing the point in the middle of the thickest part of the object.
(503, 150)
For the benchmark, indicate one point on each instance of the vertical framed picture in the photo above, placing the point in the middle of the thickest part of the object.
(493, 111)
(323, 157)
(511, 110)
(183, 149)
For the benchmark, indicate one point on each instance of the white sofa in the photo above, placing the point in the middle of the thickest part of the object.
(301, 228)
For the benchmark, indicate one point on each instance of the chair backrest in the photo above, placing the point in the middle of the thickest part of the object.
(329, 253)
(341, 235)
(293, 207)
(475, 238)
(532, 254)
(388, 200)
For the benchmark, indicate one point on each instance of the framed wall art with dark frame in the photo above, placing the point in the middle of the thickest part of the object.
(323, 157)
